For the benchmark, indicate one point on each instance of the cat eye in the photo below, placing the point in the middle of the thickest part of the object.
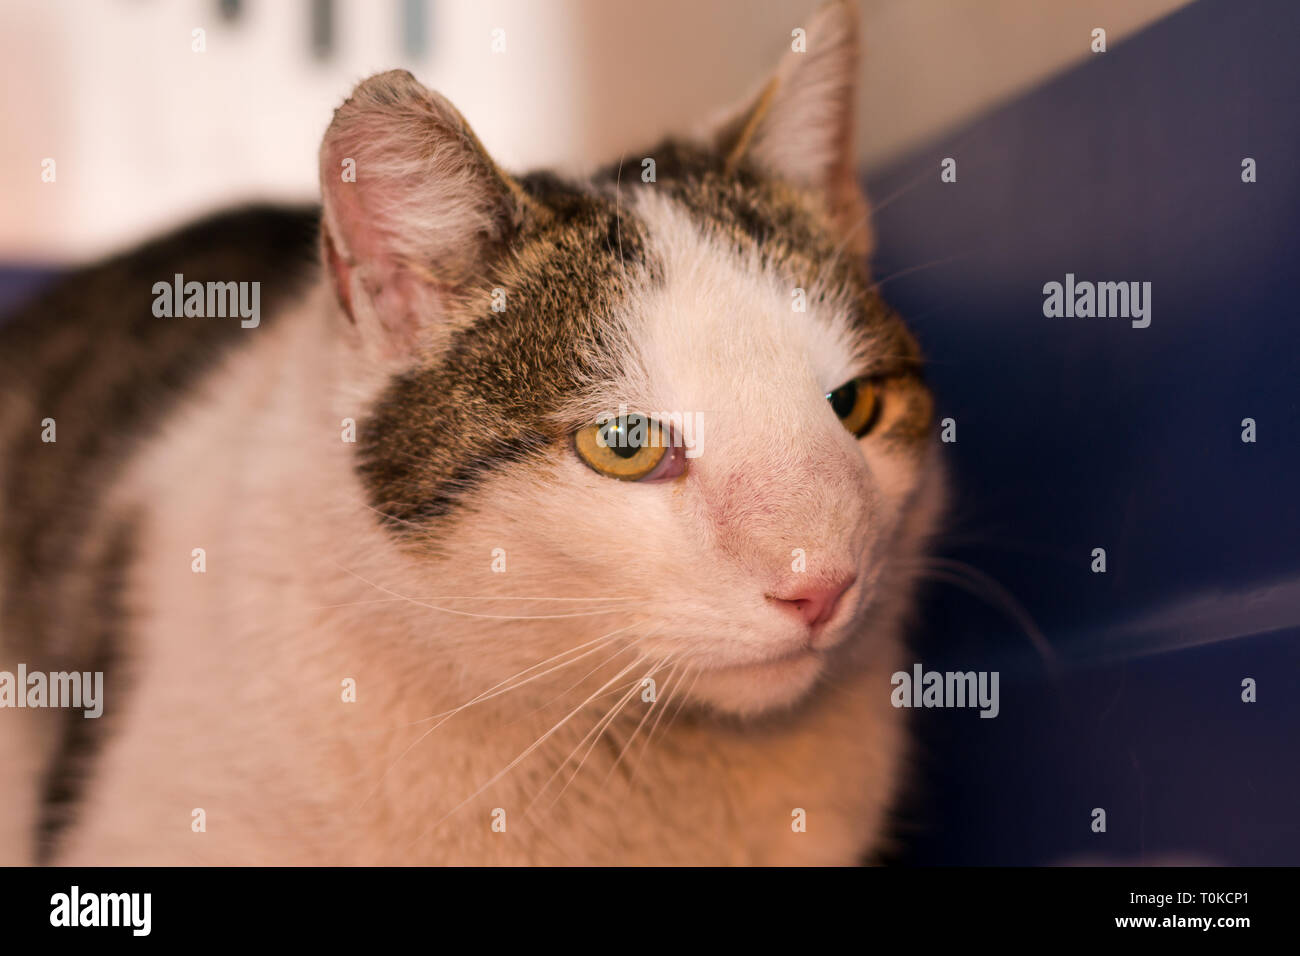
(857, 403)
(630, 448)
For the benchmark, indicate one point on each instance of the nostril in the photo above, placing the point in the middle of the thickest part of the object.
(816, 603)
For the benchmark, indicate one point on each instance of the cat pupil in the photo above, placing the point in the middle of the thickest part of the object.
(617, 441)
(844, 398)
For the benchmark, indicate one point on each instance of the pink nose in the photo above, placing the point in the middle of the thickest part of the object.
(815, 603)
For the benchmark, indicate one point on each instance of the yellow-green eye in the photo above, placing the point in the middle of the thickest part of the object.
(629, 448)
(857, 403)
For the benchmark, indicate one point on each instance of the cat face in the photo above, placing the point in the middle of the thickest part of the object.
(676, 397)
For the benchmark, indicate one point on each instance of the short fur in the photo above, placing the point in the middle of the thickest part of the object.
(502, 712)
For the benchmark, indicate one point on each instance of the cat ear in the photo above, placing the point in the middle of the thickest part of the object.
(414, 209)
(801, 124)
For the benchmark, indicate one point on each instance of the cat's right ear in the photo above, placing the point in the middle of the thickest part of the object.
(414, 210)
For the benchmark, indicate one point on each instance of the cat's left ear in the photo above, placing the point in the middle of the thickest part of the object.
(801, 124)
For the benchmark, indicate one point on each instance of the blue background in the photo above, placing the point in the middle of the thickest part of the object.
(1076, 433)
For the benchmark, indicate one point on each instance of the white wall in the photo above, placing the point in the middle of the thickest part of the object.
(145, 132)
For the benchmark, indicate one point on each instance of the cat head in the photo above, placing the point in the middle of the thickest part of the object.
(668, 389)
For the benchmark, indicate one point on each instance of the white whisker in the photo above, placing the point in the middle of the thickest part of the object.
(492, 692)
(598, 730)
(529, 750)
(637, 729)
(492, 617)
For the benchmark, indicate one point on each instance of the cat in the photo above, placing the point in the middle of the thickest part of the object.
(392, 575)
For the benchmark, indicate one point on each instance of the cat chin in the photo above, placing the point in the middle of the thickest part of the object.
(748, 690)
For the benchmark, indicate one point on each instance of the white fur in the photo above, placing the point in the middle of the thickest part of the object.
(236, 673)
(235, 704)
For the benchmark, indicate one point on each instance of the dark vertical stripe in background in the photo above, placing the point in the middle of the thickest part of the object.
(322, 28)
(415, 28)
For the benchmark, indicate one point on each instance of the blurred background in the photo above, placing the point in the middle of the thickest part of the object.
(146, 132)
(1072, 434)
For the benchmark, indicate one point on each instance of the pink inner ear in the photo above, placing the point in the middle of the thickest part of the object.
(400, 300)
(424, 216)
(340, 274)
